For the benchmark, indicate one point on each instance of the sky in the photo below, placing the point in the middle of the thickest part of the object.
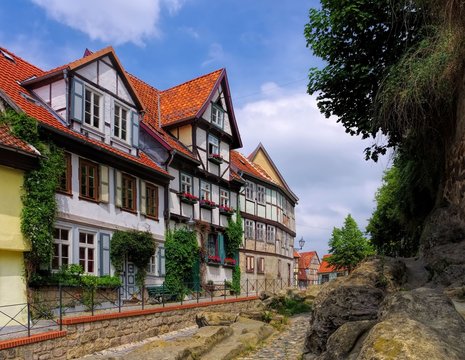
(262, 47)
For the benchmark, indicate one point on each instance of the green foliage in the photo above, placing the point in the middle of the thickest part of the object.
(181, 253)
(22, 126)
(289, 306)
(236, 280)
(135, 246)
(347, 245)
(234, 235)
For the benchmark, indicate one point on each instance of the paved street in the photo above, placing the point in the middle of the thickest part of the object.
(287, 344)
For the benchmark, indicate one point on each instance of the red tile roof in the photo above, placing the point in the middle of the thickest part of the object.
(19, 70)
(241, 163)
(185, 101)
(296, 254)
(304, 263)
(9, 140)
(325, 267)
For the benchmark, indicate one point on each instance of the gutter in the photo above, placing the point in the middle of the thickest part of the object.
(166, 212)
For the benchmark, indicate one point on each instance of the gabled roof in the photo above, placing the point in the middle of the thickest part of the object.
(13, 72)
(85, 60)
(305, 259)
(244, 165)
(326, 267)
(261, 155)
(296, 254)
(8, 140)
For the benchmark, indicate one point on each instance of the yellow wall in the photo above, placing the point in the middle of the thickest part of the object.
(185, 135)
(12, 287)
(10, 210)
(262, 160)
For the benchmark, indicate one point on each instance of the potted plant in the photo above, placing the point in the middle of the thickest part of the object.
(229, 261)
(226, 210)
(215, 158)
(188, 198)
(207, 204)
(214, 259)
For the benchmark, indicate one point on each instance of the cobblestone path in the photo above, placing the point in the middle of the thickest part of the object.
(286, 345)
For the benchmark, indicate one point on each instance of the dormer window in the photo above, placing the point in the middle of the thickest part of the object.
(120, 122)
(92, 108)
(217, 115)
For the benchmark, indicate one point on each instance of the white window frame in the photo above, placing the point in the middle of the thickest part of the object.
(249, 229)
(90, 113)
(217, 118)
(224, 198)
(249, 264)
(88, 247)
(60, 242)
(119, 121)
(261, 194)
(186, 183)
(152, 265)
(249, 190)
(213, 145)
(260, 231)
(270, 234)
(205, 190)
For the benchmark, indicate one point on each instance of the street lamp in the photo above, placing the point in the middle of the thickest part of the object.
(301, 242)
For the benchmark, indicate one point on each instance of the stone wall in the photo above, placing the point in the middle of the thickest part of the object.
(88, 337)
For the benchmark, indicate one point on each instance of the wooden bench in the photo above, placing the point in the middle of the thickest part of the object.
(159, 293)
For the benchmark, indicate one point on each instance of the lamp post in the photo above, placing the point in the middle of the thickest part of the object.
(301, 242)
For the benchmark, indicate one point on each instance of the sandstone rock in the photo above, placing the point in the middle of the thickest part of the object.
(215, 319)
(265, 295)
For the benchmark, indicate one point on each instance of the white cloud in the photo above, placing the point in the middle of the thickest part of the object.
(110, 21)
(322, 164)
(215, 54)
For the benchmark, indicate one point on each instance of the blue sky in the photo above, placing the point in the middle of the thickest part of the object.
(260, 43)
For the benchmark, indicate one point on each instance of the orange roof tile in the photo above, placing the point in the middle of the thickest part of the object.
(184, 101)
(304, 263)
(11, 72)
(326, 267)
(296, 254)
(7, 139)
(241, 163)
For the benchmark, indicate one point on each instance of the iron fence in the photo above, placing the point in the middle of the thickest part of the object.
(47, 306)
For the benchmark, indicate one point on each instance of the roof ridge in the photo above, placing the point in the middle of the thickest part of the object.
(191, 80)
(20, 58)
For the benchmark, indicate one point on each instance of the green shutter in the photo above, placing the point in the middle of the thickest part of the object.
(77, 100)
(221, 250)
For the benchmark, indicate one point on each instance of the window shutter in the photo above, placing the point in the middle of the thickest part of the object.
(135, 129)
(221, 250)
(77, 100)
(104, 246)
(161, 261)
(118, 189)
(104, 184)
(143, 198)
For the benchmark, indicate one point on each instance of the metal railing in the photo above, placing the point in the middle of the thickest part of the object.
(46, 307)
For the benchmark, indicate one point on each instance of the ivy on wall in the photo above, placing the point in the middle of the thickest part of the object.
(39, 204)
(181, 252)
(135, 246)
(234, 233)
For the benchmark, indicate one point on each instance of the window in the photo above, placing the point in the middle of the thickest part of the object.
(87, 252)
(224, 198)
(261, 265)
(213, 145)
(65, 179)
(249, 229)
(88, 180)
(205, 191)
(128, 192)
(151, 200)
(61, 248)
(92, 108)
(217, 116)
(152, 266)
(260, 234)
(186, 183)
(120, 124)
(212, 245)
(156, 265)
(260, 194)
(249, 190)
(249, 264)
(270, 234)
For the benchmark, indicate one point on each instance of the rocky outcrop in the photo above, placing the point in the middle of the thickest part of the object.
(207, 318)
(355, 298)
(357, 318)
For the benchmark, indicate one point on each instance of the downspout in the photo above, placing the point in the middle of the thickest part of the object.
(167, 213)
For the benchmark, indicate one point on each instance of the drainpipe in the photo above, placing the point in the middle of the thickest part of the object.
(167, 163)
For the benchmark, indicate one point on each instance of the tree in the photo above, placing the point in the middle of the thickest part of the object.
(348, 246)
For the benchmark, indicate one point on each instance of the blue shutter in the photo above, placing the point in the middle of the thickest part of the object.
(221, 250)
(77, 100)
(104, 246)
(161, 261)
(135, 129)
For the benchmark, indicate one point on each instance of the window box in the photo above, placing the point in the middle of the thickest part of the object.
(215, 158)
(229, 262)
(226, 210)
(188, 198)
(214, 260)
(207, 204)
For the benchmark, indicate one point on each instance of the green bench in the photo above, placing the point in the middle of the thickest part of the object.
(159, 293)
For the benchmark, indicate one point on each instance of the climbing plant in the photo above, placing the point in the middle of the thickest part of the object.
(39, 203)
(135, 246)
(181, 253)
(234, 233)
